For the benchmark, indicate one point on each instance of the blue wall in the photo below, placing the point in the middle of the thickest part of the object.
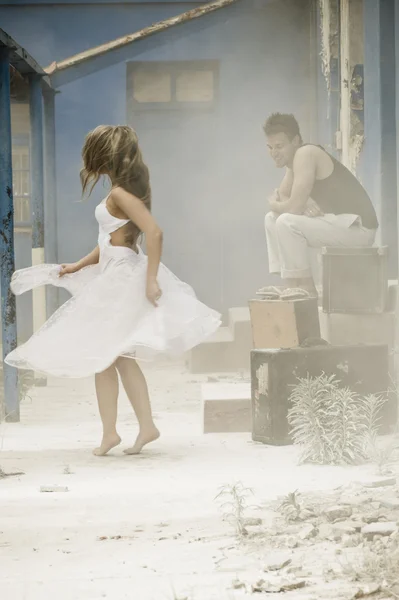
(378, 168)
(211, 174)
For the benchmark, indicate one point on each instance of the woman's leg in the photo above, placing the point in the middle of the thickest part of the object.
(107, 388)
(136, 389)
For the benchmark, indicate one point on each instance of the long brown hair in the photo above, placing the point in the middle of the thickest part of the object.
(114, 151)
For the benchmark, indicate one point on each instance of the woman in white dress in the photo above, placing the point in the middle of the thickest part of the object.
(125, 306)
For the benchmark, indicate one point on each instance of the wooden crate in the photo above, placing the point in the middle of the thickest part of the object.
(355, 280)
(363, 368)
(283, 323)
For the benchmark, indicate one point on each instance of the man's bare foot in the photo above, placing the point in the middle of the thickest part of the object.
(107, 444)
(142, 439)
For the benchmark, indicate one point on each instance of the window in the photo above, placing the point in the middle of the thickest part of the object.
(171, 85)
(21, 184)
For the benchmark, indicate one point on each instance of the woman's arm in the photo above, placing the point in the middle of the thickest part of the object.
(137, 212)
(90, 259)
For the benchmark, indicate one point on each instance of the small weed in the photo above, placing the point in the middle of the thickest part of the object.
(383, 456)
(291, 507)
(332, 424)
(381, 568)
(235, 506)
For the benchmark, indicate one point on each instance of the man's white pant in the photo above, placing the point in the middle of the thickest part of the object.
(289, 237)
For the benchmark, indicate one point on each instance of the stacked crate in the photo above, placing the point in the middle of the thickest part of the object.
(287, 343)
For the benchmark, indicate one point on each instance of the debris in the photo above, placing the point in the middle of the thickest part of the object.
(306, 513)
(53, 488)
(335, 513)
(326, 531)
(373, 518)
(3, 474)
(369, 591)
(294, 585)
(390, 503)
(350, 541)
(353, 501)
(381, 528)
(307, 532)
(376, 483)
(238, 585)
(252, 522)
(298, 572)
(345, 528)
(263, 586)
(277, 566)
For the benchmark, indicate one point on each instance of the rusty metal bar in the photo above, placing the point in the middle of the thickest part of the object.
(37, 200)
(7, 256)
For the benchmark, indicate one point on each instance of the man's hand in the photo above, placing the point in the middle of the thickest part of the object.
(312, 209)
(274, 200)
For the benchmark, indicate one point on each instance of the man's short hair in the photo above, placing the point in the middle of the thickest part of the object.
(282, 123)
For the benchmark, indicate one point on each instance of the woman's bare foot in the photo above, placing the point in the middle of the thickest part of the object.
(107, 444)
(142, 439)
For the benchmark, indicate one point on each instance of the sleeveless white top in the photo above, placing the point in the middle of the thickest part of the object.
(107, 222)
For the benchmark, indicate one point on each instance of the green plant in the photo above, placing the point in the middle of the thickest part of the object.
(235, 506)
(378, 567)
(291, 507)
(332, 424)
(382, 456)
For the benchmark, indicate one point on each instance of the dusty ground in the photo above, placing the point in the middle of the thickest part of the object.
(137, 528)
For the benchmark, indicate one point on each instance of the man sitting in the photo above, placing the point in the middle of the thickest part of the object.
(319, 203)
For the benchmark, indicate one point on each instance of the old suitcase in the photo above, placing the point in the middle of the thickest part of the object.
(283, 323)
(363, 368)
(355, 280)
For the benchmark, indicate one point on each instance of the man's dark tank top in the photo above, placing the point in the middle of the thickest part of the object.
(341, 193)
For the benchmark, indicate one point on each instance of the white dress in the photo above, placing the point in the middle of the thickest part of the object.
(109, 315)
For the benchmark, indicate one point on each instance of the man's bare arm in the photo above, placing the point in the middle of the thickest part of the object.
(304, 176)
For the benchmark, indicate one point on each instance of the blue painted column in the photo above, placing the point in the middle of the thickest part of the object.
(7, 263)
(50, 196)
(378, 164)
(37, 199)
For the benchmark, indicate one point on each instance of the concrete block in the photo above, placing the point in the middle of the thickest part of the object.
(226, 407)
(344, 329)
(228, 350)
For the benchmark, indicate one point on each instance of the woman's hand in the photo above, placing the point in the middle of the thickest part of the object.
(153, 291)
(69, 268)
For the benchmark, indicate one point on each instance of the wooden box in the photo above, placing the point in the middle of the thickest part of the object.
(283, 323)
(355, 280)
(362, 368)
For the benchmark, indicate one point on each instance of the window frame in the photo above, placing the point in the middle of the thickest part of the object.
(22, 141)
(174, 68)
